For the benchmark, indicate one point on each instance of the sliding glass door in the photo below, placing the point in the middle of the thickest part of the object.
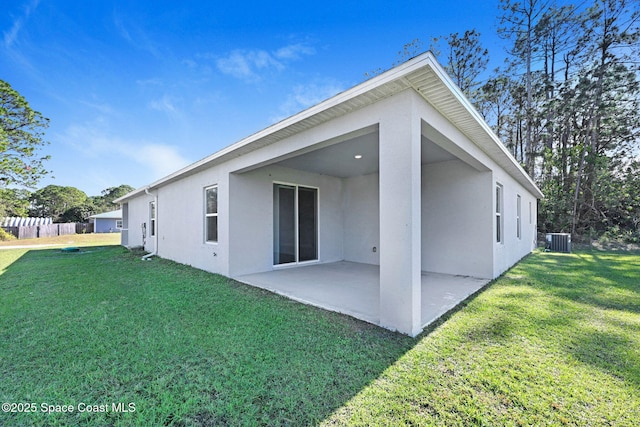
(295, 224)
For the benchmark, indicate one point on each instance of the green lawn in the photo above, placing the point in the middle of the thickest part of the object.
(556, 341)
(91, 239)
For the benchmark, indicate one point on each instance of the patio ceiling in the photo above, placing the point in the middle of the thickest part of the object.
(340, 160)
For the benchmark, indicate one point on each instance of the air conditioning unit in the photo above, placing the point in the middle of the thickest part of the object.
(558, 242)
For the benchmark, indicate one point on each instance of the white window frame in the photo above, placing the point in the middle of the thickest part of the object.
(119, 224)
(211, 215)
(519, 216)
(499, 232)
(152, 218)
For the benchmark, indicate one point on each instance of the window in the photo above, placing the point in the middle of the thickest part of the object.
(530, 213)
(519, 217)
(211, 214)
(152, 218)
(499, 208)
(118, 223)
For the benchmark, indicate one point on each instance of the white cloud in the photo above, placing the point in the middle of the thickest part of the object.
(103, 108)
(164, 104)
(294, 51)
(136, 36)
(167, 104)
(249, 65)
(305, 96)
(94, 142)
(246, 64)
(161, 159)
(150, 82)
(11, 35)
(190, 63)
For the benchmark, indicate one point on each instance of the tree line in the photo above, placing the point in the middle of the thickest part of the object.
(62, 203)
(566, 104)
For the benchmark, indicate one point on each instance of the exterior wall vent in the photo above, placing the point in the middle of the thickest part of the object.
(558, 242)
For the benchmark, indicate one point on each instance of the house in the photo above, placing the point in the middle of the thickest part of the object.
(393, 183)
(107, 222)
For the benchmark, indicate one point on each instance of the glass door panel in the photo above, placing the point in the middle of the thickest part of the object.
(295, 224)
(307, 224)
(284, 227)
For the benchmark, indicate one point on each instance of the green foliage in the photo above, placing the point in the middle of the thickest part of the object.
(54, 200)
(5, 236)
(572, 111)
(466, 59)
(14, 202)
(79, 213)
(104, 202)
(21, 137)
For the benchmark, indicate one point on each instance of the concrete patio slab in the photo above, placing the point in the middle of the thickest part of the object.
(354, 289)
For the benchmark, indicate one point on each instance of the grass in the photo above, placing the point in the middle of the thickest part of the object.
(92, 239)
(186, 347)
(555, 341)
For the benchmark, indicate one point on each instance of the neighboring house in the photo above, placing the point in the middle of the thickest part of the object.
(107, 222)
(399, 172)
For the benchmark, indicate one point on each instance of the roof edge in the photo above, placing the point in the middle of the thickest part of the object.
(395, 73)
(387, 76)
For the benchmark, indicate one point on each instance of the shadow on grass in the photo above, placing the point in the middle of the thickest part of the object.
(186, 346)
(584, 303)
(609, 351)
(608, 281)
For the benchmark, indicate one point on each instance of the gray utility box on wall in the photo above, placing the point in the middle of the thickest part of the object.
(559, 242)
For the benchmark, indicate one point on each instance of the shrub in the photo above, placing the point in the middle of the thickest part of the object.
(6, 236)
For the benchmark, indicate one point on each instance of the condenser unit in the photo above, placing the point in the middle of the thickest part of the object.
(559, 242)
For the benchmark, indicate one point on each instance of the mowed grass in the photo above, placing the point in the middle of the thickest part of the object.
(188, 348)
(555, 341)
(91, 239)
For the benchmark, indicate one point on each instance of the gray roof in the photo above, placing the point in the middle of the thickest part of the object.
(108, 215)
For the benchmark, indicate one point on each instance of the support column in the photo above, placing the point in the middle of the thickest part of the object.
(400, 217)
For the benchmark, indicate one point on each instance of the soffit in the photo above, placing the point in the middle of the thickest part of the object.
(440, 92)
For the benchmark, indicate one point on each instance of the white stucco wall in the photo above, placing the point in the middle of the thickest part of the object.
(503, 255)
(513, 248)
(456, 211)
(251, 216)
(456, 200)
(361, 209)
(436, 217)
(181, 207)
(138, 214)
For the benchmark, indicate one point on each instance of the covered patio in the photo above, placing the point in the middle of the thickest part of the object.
(354, 289)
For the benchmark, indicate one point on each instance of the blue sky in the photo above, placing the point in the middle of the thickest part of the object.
(136, 90)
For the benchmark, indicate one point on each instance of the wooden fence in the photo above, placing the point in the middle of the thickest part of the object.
(49, 230)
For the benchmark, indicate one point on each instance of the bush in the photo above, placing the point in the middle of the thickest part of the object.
(5, 236)
(617, 235)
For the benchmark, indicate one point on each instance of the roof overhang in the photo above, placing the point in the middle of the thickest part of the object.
(117, 214)
(422, 74)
